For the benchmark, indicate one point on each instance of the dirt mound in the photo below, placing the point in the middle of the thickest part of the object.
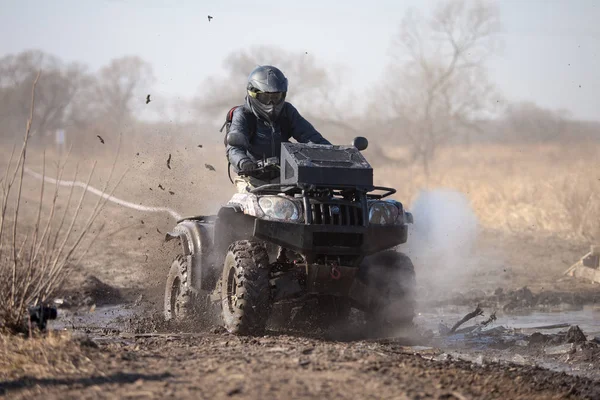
(525, 298)
(520, 299)
(92, 291)
(573, 335)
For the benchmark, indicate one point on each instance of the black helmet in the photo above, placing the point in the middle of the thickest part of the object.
(267, 87)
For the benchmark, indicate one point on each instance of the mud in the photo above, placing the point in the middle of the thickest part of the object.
(215, 364)
(130, 353)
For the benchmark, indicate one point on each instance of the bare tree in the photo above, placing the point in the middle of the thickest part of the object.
(83, 109)
(119, 83)
(56, 90)
(437, 86)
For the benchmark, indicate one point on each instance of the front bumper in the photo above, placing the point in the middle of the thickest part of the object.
(331, 239)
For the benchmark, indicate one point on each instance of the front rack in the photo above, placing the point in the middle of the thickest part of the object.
(278, 188)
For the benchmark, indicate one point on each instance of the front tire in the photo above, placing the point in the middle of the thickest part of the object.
(245, 288)
(180, 303)
(390, 276)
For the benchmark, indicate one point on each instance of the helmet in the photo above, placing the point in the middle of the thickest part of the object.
(267, 88)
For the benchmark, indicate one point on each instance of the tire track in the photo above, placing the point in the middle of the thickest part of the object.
(110, 198)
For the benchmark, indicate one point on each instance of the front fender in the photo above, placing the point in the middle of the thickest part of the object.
(196, 238)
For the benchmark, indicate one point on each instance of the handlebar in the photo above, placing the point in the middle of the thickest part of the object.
(263, 167)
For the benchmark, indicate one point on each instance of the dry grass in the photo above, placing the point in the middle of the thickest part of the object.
(52, 355)
(35, 256)
(537, 189)
(534, 189)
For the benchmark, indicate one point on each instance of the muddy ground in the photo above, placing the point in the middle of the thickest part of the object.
(123, 350)
(113, 302)
(219, 365)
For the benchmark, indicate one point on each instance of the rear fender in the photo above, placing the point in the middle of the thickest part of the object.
(196, 238)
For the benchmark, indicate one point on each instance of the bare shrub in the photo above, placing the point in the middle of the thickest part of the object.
(34, 265)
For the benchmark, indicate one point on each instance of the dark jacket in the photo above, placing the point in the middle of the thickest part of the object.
(266, 141)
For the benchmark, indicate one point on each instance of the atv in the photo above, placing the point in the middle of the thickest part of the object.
(324, 234)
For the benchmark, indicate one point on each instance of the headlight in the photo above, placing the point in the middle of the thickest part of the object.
(279, 208)
(383, 213)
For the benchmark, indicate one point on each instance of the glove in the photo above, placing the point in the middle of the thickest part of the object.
(248, 165)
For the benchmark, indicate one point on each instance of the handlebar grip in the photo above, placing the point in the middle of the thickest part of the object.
(259, 170)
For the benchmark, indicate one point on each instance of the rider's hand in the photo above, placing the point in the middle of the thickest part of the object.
(248, 165)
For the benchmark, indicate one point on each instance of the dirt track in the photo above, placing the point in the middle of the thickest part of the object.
(219, 365)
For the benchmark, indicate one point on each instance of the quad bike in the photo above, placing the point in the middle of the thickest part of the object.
(323, 234)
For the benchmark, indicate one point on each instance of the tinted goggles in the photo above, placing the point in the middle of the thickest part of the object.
(268, 98)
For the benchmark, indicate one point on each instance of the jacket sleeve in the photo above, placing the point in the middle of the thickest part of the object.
(302, 130)
(239, 125)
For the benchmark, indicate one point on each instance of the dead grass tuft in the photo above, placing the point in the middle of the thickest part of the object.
(42, 357)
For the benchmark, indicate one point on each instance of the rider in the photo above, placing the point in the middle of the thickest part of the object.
(261, 124)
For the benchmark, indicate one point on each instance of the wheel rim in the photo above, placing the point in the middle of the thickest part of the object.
(231, 289)
(175, 292)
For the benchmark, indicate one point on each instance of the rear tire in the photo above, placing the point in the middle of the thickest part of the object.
(390, 276)
(245, 288)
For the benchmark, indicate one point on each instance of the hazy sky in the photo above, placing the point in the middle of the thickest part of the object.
(551, 53)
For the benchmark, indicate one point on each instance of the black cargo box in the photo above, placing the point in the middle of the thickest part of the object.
(324, 165)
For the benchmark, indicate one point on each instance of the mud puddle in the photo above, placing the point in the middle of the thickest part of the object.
(587, 318)
(508, 339)
(532, 338)
(98, 321)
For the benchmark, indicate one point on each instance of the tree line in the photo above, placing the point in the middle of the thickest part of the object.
(435, 91)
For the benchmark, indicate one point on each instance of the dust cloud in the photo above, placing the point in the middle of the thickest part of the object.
(441, 241)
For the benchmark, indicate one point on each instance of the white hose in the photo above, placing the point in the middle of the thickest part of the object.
(97, 192)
